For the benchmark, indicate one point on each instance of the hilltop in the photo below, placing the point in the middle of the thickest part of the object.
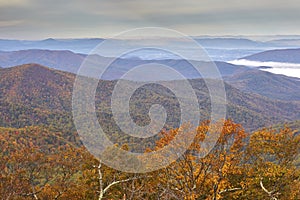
(33, 94)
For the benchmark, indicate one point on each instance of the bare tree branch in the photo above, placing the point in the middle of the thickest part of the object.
(230, 190)
(272, 194)
(103, 190)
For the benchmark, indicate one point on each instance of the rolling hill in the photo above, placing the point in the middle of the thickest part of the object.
(247, 79)
(62, 60)
(266, 84)
(279, 55)
(70, 62)
(33, 94)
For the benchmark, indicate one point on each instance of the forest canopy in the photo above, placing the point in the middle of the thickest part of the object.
(38, 163)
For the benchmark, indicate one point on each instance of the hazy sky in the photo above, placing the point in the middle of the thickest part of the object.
(38, 19)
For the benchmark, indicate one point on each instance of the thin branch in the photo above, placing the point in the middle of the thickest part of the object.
(117, 182)
(103, 190)
(58, 195)
(230, 190)
(270, 193)
(33, 194)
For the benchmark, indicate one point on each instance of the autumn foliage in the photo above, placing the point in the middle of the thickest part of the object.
(37, 163)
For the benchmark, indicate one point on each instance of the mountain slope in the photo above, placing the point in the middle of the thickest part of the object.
(280, 55)
(270, 85)
(32, 95)
(62, 60)
(34, 83)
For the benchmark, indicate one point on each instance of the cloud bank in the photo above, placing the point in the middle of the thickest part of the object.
(288, 69)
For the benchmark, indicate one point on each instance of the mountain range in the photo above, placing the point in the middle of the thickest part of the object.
(32, 94)
(218, 48)
(247, 79)
(76, 45)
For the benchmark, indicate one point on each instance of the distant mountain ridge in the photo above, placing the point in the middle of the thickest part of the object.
(77, 45)
(279, 55)
(57, 59)
(220, 42)
(231, 43)
(287, 42)
(218, 48)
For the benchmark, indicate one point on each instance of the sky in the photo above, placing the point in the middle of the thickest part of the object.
(40, 19)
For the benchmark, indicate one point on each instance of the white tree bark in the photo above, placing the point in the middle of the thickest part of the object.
(272, 194)
(102, 189)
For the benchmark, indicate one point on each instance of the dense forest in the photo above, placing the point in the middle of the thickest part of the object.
(46, 99)
(37, 163)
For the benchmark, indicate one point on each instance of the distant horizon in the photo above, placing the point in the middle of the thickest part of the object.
(246, 36)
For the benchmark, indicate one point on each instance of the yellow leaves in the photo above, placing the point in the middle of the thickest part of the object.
(274, 170)
(271, 155)
(232, 170)
(232, 164)
(180, 177)
(282, 146)
(192, 196)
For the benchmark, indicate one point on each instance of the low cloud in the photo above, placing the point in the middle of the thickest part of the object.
(288, 69)
(292, 72)
(252, 63)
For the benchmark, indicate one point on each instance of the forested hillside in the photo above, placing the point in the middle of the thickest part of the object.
(37, 163)
(33, 94)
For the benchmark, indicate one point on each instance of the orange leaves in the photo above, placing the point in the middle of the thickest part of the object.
(191, 176)
(167, 137)
(39, 160)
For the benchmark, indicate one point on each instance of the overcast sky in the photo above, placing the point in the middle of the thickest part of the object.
(39, 19)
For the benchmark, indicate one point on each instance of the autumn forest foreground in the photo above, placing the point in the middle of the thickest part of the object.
(37, 163)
